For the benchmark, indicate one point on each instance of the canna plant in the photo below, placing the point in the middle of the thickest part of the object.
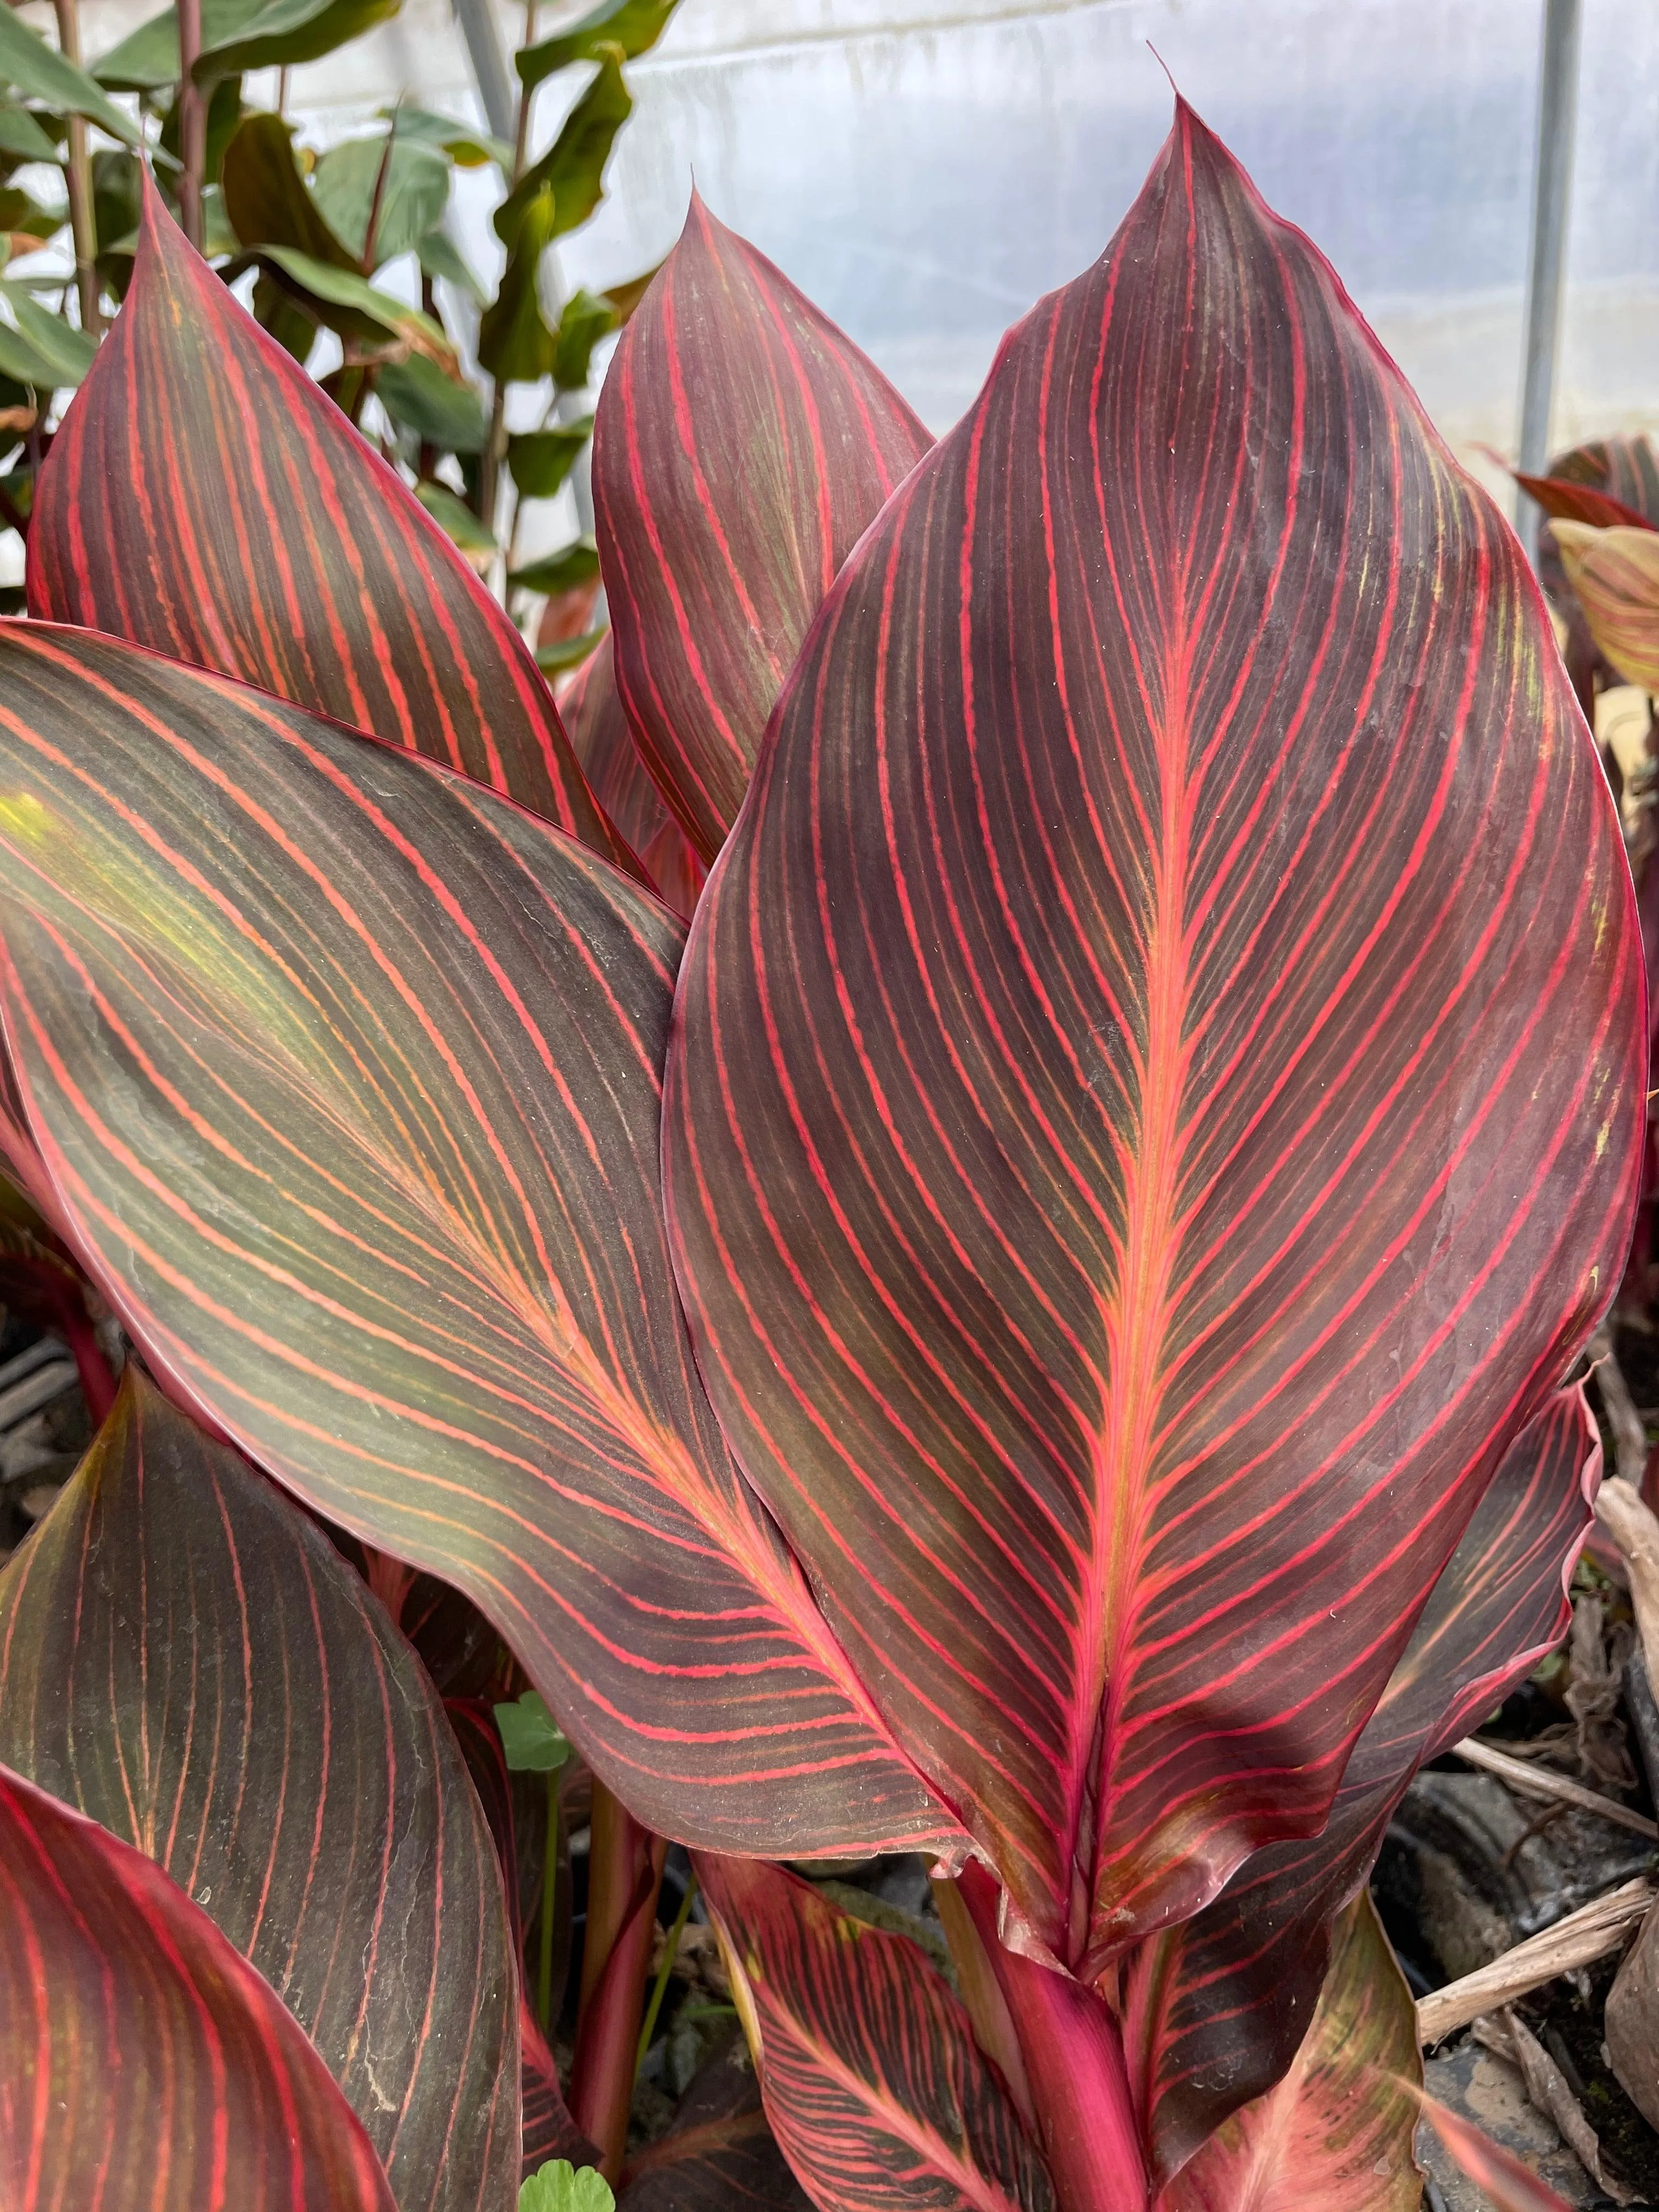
(1040, 1331)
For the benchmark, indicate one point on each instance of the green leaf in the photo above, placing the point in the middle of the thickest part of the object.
(566, 651)
(441, 257)
(419, 396)
(237, 35)
(584, 321)
(540, 460)
(349, 304)
(624, 298)
(533, 1743)
(633, 25)
(19, 211)
(558, 2186)
(575, 563)
(514, 343)
(275, 311)
(466, 148)
(22, 138)
(412, 200)
(41, 349)
(268, 202)
(455, 518)
(39, 71)
(574, 164)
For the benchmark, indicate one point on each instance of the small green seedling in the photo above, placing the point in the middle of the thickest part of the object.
(558, 2186)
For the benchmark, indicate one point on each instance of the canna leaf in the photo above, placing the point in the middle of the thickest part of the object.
(875, 2089)
(572, 167)
(1507, 2185)
(268, 202)
(604, 746)
(1625, 469)
(1564, 501)
(550, 2133)
(1218, 2006)
(420, 397)
(203, 499)
(185, 1659)
(720, 2155)
(40, 72)
(413, 194)
(145, 2063)
(742, 445)
(1153, 1110)
(1338, 2128)
(634, 25)
(405, 1240)
(540, 460)
(1615, 575)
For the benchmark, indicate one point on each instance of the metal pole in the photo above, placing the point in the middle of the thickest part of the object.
(495, 81)
(1557, 101)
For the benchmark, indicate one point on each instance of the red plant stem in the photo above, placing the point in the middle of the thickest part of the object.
(981, 1993)
(97, 1379)
(625, 1863)
(1085, 2119)
(192, 122)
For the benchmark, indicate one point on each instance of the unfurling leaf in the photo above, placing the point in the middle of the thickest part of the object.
(874, 2086)
(1155, 1095)
(742, 445)
(514, 343)
(185, 1658)
(604, 746)
(1337, 2131)
(1615, 574)
(145, 2063)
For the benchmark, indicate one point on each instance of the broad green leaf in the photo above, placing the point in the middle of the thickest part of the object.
(467, 146)
(40, 72)
(573, 564)
(455, 518)
(412, 201)
(20, 211)
(514, 343)
(275, 310)
(441, 257)
(574, 164)
(267, 200)
(585, 321)
(39, 348)
(346, 303)
(566, 653)
(22, 138)
(540, 460)
(238, 36)
(625, 297)
(633, 25)
(532, 1741)
(440, 412)
(558, 2186)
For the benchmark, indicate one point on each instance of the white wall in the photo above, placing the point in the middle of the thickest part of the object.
(924, 168)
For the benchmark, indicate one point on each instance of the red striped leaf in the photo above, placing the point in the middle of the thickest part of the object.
(142, 2062)
(549, 2130)
(1218, 2006)
(1337, 2131)
(348, 1074)
(1625, 469)
(1155, 1095)
(1615, 575)
(877, 2092)
(205, 498)
(1564, 501)
(1507, 2184)
(605, 745)
(185, 1658)
(741, 446)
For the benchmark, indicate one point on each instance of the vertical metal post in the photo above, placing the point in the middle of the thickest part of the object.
(495, 81)
(1558, 102)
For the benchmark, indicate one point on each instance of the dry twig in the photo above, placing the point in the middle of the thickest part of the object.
(1600, 1927)
(1543, 1782)
(1549, 2092)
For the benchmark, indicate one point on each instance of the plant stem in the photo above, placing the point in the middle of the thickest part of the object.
(192, 121)
(1074, 2064)
(82, 221)
(660, 1987)
(494, 451)
(549, 1883)
(624, 1875)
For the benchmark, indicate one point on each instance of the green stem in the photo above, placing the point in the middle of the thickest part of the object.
(660, 1987)
(549, 1880)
